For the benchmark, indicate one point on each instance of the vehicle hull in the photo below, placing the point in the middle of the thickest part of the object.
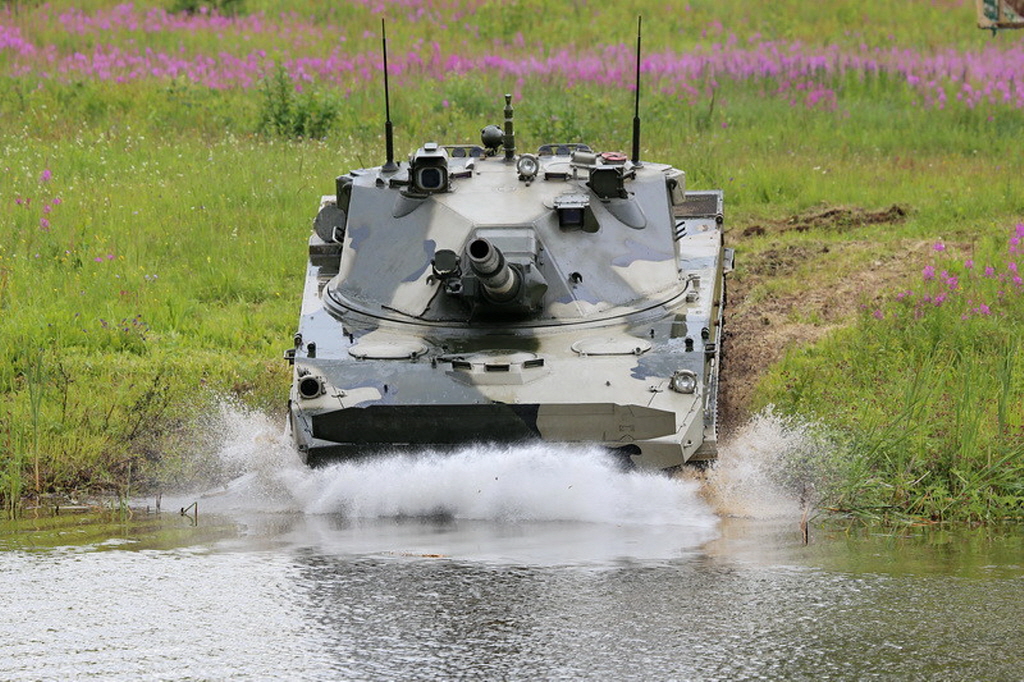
(383, 385)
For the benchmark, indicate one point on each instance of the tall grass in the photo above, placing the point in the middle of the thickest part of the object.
(152, 233)
(929, 387)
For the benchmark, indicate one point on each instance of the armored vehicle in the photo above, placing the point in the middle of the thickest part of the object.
(478, 294)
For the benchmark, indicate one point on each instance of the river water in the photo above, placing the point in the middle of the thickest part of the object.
(496, 563)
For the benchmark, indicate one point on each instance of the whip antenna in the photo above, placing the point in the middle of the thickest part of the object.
(636, 110)
(389, 137)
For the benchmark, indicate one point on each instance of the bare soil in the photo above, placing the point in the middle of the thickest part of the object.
(759, 330)
(835, 219)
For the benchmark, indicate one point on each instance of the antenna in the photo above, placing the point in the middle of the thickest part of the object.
(636, 111)
(509, 138)
(389, 137)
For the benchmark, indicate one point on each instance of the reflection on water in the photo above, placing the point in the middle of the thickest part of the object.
(495, 564)
(325, 596)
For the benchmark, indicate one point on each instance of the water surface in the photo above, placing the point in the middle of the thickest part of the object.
(497, 564)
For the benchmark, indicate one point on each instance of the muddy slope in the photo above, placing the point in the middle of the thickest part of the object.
(763, 322)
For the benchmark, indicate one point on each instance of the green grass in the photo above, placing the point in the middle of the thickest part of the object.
(170, 272)
(927, 386)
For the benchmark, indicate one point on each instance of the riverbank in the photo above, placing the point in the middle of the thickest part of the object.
(159, 184)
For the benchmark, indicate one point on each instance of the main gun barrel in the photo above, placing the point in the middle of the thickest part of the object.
(499, 280)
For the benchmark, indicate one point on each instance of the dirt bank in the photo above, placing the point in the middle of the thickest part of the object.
(791, 288)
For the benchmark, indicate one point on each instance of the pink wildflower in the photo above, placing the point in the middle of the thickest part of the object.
(968, 264)
(879, 315)
(928, 272)
(44, 223)
(939, 246)
(45, 176)
(990, 271)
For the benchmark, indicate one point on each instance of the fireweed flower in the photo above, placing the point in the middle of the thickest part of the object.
(968, 264)
(45, 176)
(928, 273)
(939, 246)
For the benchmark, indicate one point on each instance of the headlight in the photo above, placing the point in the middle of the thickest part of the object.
(311, 387)
(684, 381)
(527, 167)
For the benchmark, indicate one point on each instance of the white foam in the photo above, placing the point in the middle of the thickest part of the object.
(522, 483)
(531, 482)
(772, 467)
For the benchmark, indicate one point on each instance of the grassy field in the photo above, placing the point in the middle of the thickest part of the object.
(161, 165)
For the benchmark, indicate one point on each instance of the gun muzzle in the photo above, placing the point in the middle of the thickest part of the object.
(500, 281)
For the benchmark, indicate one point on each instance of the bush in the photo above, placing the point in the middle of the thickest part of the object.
(289, 112)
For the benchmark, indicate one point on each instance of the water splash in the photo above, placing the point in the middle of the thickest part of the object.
(522, 483)
(772, 467)
(534, 482)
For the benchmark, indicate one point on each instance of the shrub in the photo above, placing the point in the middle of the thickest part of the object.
(290, 112)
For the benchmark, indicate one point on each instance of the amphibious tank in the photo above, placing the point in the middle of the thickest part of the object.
(474, 293)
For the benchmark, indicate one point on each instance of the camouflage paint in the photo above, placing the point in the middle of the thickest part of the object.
(402, 357)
